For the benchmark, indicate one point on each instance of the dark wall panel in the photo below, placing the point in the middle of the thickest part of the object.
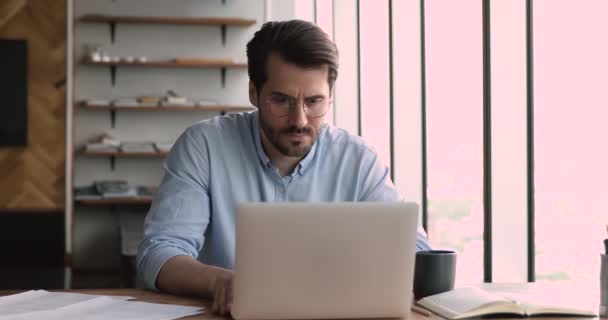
(13, 88)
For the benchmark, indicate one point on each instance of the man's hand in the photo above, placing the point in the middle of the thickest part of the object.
(184, 275)
(222, 292)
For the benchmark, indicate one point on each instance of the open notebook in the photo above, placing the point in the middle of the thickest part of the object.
(474, 302)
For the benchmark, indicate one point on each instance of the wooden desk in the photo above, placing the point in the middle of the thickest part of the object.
(154, 297)
(150, 296)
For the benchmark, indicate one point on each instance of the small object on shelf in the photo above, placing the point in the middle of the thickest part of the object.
(172, 93)
(107, 139)
(102, 143)
(203, 103)
(86, 192)
(100, 147)
(115, 189)
(142, 59)
(138, 147)
(130, 59)
(125, 102)
(148, 101)
(97, 102)
(93, 51)
(105, 57)
(163, 147)
(174, 99)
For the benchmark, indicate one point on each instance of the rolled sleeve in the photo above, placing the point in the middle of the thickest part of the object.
(153, 262)
(175, 225)
(180, 213)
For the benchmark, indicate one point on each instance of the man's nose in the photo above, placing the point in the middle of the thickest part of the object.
(297, 115)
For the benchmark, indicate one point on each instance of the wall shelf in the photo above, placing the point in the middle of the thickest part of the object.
(223, 23)
(172, 63)
(166, 108)
(122, 154)
(209, 21)
(178, 51)
(223, 64)
(115, 201)
(112, 155)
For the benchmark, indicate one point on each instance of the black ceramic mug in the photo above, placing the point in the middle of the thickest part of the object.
(434, 272)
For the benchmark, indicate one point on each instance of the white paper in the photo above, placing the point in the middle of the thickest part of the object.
(65, 306)
(39, 300)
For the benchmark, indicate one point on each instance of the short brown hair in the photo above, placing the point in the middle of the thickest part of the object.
(296, 41)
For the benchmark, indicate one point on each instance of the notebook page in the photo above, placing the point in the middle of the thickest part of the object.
(459, 301)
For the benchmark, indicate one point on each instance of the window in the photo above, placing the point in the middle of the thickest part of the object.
(454, 132)
(375, 76)
(570, 111)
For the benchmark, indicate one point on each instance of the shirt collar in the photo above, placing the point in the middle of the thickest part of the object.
(302, 166)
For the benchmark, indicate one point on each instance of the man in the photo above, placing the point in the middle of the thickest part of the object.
(282, 152)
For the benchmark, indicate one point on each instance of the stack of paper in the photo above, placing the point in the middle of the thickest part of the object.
(97, 102)
(126, 102)
(40, 304)
(102, 142)
(115, 188)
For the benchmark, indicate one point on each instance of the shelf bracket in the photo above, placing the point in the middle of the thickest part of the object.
(113, 74)
(112, 25)
(112, 162)
(223, 30)
(113, 118)
(223, 77)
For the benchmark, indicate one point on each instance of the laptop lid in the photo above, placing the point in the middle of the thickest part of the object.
(324, 260)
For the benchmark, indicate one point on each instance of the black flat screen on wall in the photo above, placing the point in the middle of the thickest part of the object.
(13, 93)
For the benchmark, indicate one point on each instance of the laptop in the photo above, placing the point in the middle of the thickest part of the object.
(324, 260)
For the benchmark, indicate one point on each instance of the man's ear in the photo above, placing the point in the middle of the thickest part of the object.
(253, 94)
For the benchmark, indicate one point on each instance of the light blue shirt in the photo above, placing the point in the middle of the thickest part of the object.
(219, 163)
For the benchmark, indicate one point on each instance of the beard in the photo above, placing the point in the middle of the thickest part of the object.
(278, 138)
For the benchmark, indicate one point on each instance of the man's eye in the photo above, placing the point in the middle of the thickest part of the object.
(314, 101)
(279, 99)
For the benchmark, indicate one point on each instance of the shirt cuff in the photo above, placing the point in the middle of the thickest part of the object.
(155, 261)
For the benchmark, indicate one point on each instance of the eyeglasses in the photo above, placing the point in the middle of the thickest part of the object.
(281, 105)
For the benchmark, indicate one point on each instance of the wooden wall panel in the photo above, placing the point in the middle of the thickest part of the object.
(33, 178)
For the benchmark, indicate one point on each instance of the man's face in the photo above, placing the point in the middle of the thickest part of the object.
(292, 105)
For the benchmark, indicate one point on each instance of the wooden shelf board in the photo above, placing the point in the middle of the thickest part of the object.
(222, 108)
(199, 63)
(115, 201)
(213, 21)
(121, 154)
